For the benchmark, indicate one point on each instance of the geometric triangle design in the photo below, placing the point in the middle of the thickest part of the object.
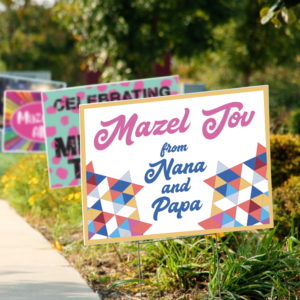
(237, 169)
(256, 214)
(89, 167)
(114, 214)
(211, 181)
(98, 226)
(91, 178)
(222, 189)
(251, 163)
(117, 207)
(124, 232)
(103, 231)
(262, 171)
(257, 178)
(120, 199)
(217, 196)
(251, 221)
(221, 167)
(236, 183)
(90, 234)
(136, 188)
(230, 190)
(135, 215)
(215, 210)
(129, 190)
(229, 224)
(234, 198)
(89, 187)
(263, 157)
(218, 181)
(255, 192)
(231, 212)
(120, 185)
(264, 215)
(115, 234)
(120, 220)
(260, 149)
(97, 205)
(259, 163)
(127, 197)
(125, 225)
(99, 178)
(107, 196)
(111, 181)
(132, 203)
(94, 193)
(88, 175)
(228, 175)
(245, 186)
(226, 218)
(114, 194)
(91, 227)
(126, 177)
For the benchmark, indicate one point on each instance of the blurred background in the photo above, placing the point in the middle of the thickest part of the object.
(219, 44)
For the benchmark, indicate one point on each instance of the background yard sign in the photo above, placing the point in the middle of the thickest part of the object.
(8, 82)
(61, 114)
(23, 129)
(176, 166)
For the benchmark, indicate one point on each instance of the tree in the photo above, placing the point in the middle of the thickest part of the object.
(31, 39)
(128, 38)
(275, 11)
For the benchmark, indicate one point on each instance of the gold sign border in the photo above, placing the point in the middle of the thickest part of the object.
(83, 107)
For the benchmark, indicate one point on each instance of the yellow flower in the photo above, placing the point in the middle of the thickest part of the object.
(77, 196)
(216, 235)
(57, 245)
(71, 196)
(4, 178)
(33, 181)
(31, 200)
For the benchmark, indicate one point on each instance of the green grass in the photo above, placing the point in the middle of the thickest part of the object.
(246, 265)
(8, 160)
(257, 266)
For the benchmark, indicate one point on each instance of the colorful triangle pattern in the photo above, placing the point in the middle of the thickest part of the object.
(112, 210)
(240, 196)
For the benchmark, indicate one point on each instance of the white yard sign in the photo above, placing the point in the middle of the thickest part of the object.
(176, 166)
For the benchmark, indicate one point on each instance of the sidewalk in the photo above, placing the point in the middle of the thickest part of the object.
(30, 269)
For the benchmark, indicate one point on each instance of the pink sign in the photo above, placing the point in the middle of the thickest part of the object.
(27, 121)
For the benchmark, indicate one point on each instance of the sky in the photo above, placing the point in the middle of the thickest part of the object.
(47, 3)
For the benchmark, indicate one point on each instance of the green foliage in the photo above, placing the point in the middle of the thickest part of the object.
(285, 157)
(32, 40)
(251, 265)
(178, 264)
(277, 11)
(8, 160)
(238, 266)
(295, 122)
(286, 200)
(127, 38)
(257, 266)
(25, 185)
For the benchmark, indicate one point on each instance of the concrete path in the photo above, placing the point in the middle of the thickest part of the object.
(30, 269)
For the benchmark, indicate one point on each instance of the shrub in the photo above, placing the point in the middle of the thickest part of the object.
(179, 264)
(257, 266)
(285, 157)
(25, 185)
(295, 122)
(287, 206)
